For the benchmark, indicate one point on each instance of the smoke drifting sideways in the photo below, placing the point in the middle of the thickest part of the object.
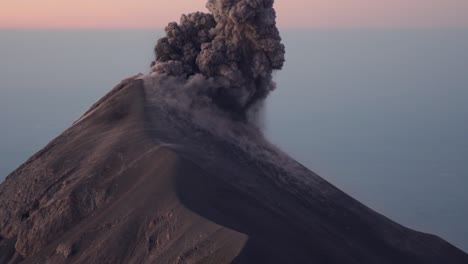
(231, 52)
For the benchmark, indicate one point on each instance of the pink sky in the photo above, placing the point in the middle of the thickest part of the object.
(291, 13)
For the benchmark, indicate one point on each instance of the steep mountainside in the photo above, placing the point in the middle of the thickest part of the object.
(133, 181)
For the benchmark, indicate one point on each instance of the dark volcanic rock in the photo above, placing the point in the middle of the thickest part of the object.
(130, 182)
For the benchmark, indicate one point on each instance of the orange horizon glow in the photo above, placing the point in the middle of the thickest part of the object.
(123, 14)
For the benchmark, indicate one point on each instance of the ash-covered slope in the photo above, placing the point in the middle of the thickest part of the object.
(138, 180)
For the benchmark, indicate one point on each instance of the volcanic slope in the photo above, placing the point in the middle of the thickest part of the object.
(134, 181)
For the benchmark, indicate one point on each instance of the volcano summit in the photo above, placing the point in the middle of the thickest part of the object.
(168, 168)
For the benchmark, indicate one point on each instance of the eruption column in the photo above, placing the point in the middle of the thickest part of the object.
(236, 46)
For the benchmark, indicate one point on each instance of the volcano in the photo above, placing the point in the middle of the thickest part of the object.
(137, 180)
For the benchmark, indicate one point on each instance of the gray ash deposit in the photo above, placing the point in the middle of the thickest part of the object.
(158, 171)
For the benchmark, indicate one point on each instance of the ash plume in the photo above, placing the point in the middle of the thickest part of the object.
(235, 47)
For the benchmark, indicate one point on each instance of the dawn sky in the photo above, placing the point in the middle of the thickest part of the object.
(291, 13)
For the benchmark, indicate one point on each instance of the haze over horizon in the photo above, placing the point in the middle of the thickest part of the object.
(168, 167)
(26, 14)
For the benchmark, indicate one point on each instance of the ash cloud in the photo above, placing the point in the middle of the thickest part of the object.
(235, 48)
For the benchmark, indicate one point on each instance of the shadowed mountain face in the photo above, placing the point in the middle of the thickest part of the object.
(133, 181)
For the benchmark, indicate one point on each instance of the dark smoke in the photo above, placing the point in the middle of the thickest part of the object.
(237, 47)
